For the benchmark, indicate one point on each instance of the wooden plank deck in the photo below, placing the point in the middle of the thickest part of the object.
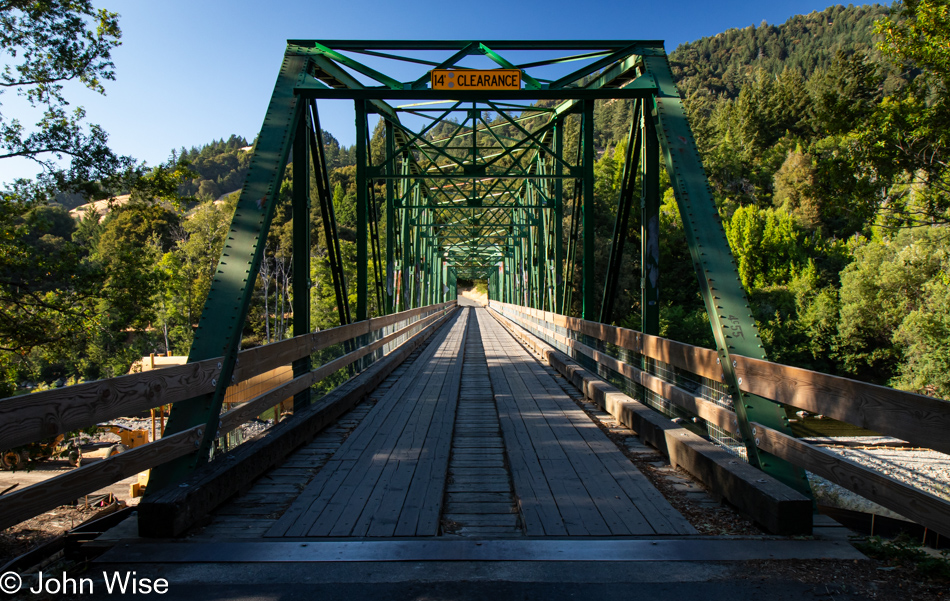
(569, 477)
(479, 498)
(388, 477)
(476, 438)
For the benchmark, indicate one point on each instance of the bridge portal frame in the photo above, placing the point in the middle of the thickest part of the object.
(524, 258)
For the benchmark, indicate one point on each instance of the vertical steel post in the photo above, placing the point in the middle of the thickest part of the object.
(537, 263)
(559, 217)
(417, 257)
(328, 215)
(301, 244)
(406, 260)
(362, 219)
(588, 310)
(650, 226)
(390, 219)
(631, 165)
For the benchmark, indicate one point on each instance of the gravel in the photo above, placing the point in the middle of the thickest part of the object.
(923, 469)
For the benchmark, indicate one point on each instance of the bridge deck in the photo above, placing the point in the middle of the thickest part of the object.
(476, 437)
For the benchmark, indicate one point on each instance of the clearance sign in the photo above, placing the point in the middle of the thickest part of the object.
(494, 79)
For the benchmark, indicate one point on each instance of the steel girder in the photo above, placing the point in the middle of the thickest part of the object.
(471, 197)
(222, 320)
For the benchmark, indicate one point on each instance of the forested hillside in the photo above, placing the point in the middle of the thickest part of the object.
(723, 63)
(833, 184)
(827, 147)
(220, 167)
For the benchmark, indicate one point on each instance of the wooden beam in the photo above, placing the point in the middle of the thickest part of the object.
(918, 419)
(775, 506)
(837, 397)
(698, 360)
(264, 358)
(237, 416)
(66, 488)
(29, 418)
(922, 507)
(711, 412)
(175, 509)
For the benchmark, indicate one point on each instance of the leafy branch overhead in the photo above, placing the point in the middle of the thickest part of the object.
(46, 44)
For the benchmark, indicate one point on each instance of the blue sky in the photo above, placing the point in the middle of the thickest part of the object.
(192, 71)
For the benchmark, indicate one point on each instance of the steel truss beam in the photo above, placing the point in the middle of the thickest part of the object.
(481, 198)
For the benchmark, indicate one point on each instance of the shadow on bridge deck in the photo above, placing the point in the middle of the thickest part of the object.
(470, 472)
(519, 457)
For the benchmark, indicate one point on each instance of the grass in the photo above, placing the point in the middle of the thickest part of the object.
(904, 552)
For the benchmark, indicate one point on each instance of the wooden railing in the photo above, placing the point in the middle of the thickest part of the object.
(29, 418)
(920, 420)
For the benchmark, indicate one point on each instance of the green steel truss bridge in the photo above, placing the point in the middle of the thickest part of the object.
(460, 419)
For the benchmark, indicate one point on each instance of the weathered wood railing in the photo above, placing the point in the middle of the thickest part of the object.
(920, 420)
(29, 418)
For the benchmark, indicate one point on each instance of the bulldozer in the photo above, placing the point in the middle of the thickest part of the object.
(71, 448)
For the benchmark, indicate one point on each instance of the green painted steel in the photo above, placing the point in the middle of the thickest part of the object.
(650, 228)
(728, 308)
(390, 226)
(361, 212)
(222, 320)
(631, 164)
(301, 247)
(473, 197)
(588, 309)
(328, 215)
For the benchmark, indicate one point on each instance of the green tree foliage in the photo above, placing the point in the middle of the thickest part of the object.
(44, 46)
(917, 33)
(132, 242)
(185, 272)
(217, 169)
(46, 287)
(890, 281)
(766, 244)
(829, 164)
(913, 126)
(725, 63)
(795, 192)
(923, 335)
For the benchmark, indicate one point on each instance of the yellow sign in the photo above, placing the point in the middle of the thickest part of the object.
(465, 79)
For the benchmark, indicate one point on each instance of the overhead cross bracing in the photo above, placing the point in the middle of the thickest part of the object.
(457, 189)
(476, 184)
(480, 174)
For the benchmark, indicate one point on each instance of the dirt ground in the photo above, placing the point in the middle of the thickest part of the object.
(879, 580)
(473, 295)
(19, 539)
